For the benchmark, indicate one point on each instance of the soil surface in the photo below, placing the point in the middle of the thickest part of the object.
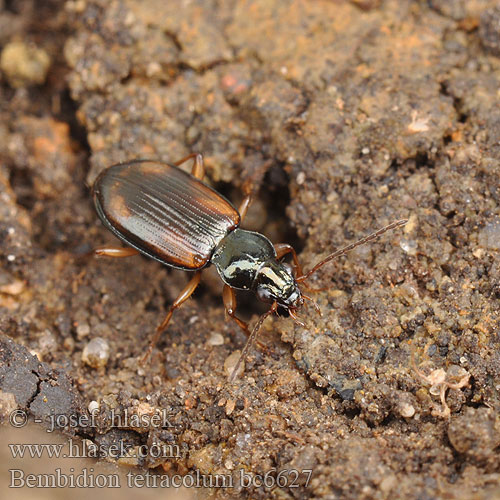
(344, 116)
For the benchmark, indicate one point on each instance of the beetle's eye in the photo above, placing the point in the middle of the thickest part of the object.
(264, 294)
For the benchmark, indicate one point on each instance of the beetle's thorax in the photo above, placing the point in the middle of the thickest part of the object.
(239, 256)
(247, 261)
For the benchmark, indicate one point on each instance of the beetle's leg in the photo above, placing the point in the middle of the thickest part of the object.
(183, 296)
(115, 252)
(198, 169)
(229, 298)
(251, 186)
(244, 206)
(284, 248)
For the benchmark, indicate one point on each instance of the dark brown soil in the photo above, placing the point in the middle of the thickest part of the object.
(362, 112)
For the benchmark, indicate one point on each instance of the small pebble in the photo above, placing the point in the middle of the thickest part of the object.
(489, 236)
(96, 353)
(216, 339)
(69, 344)
(24, 64)
(93, 406)
(406, 410)
(82, 330)
(230, 406)
(47, 342)
(474, 433)
(408, 246)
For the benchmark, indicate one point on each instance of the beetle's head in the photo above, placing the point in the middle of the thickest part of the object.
(274, 282)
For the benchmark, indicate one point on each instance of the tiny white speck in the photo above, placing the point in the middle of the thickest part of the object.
(301, 177)
(153, 68)
(11, 230)
(11, 258)
(194, 319)
(365, 151)
(463, 359)
(284, 70)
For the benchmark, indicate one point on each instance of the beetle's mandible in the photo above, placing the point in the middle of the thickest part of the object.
(161, 211)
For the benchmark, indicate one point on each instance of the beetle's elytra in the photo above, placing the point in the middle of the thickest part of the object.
(161, 211)
(164, 212)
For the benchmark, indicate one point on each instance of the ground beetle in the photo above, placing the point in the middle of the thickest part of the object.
(161, 211)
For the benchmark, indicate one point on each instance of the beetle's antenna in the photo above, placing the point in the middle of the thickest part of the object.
(348, 248)
(251, 339)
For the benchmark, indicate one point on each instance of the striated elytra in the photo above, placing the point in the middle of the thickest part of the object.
(164, 212)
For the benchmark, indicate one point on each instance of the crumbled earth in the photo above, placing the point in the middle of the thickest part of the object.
(347, 115)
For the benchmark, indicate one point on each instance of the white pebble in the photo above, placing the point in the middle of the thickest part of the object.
(96, 353)
(216, 339)
(93, 407)
(406, 410)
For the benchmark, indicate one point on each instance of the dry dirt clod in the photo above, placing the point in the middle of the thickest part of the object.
(23, 64)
